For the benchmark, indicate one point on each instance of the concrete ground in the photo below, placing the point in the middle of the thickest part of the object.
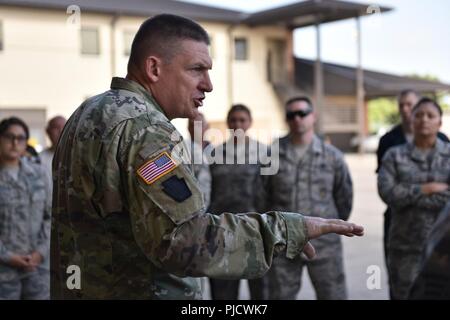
(364, 257)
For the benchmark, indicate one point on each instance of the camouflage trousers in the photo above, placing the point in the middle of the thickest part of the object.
(27, 286)
(284, 278)
(229, 289)
(404, 267)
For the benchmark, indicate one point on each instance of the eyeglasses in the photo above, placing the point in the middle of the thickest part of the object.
(11, 137)
(290, 115)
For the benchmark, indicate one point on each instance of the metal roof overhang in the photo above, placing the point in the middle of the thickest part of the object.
(307, 13)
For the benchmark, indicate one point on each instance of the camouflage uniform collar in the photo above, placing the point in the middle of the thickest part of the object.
(316, 144)
(26, 171)
(417, 154)
(133, 86)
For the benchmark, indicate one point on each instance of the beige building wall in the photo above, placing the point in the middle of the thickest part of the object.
(250, 81)
(42, 65)
(43, 68)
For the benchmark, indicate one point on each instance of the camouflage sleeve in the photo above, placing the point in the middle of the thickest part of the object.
(201, 171)
(342, 188)
(262, 196)
(400, 194)
(5, 255)
(394, 193)
(263, 192)
(203, 175)
(43, 238)
(436, 201)
(171, 228)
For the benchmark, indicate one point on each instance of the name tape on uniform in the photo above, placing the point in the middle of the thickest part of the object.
(156, 168)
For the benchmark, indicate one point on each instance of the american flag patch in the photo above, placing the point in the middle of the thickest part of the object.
(156, 168)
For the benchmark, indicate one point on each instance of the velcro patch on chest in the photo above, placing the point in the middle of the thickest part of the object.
(156, 168)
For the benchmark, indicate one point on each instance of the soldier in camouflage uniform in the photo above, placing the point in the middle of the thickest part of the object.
(127, 209)
(197, 128)
(433, 281)
(198, 159)
(236, 186)
(312, 178)
(413, 180)
(24, 218)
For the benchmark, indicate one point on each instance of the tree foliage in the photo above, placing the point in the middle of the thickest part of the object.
(383, 112)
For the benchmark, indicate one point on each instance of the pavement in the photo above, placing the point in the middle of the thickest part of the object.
(363, 257)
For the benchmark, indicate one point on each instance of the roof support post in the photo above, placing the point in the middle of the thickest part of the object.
(113, 53)
(361, 115)
(318, 81)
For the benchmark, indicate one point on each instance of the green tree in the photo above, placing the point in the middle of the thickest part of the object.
(440, 97)
(383, 113)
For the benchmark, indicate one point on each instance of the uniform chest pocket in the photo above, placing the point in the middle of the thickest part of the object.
(322, 182)
(412, 172)
(321, 190)
(286, 176)
(38, 195)
(38, 202)
(7, 196)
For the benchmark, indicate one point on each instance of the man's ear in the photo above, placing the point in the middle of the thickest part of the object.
(153, 68)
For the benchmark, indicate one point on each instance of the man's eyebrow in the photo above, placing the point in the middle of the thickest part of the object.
(201, 64)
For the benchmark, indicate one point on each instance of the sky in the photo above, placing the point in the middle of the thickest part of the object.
(414, 38)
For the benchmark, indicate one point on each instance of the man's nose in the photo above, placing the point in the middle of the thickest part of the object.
(206, 84)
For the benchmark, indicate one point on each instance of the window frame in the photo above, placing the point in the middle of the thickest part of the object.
(82, 47)
(245, 56)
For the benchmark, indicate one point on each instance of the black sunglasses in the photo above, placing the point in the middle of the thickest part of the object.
(290, 115)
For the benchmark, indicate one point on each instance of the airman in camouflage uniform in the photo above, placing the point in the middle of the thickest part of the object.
(433, 281)
(402, 172)
(236, 187)
(127, 208)
(201, 170)
(316, 181)
(413, 181)
(24, 230)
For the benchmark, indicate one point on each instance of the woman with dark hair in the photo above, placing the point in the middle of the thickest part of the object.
(236, 187)
(24, 218)
(413, 181)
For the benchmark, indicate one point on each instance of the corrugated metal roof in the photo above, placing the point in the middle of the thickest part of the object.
(295, 15)
(341, 80)
(308, 13)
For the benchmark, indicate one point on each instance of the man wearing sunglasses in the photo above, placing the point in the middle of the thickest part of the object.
(312, 178)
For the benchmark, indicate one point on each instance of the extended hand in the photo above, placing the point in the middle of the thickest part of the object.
(318, 226)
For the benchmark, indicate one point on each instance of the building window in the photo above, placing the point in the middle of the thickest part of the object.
(1, 36)
(128, 37)
(90, 42)
(240, 49)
